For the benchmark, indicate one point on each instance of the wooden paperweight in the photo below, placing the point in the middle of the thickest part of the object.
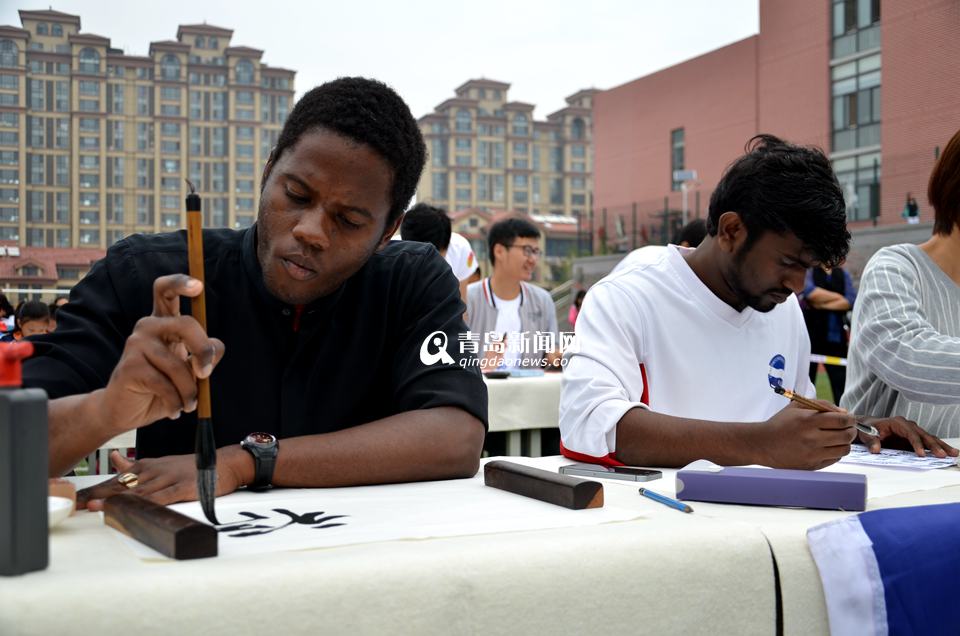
(166, 531)
(560, 490)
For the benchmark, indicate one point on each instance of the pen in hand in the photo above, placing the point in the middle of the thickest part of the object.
(822, 408)
(666, 501)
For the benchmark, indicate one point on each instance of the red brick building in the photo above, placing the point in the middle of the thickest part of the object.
(876, 84)
(38, 271)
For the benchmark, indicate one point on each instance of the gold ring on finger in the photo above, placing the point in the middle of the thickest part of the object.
(129, 480)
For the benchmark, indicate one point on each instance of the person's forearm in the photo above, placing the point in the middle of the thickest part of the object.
(646, 438)
(75, 430)
(820, 296)
(430, 444)
(837, 304)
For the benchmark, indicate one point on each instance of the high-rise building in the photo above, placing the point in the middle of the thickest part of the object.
(96, 144)
(488, 153)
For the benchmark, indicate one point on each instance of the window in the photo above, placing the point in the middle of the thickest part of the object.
(521, 127)
(10, 177)
(218, 177)
(89, 217)
(498, 188)
(8, 54)
(89, 88)
(170, 183)
(61, 132)
(168, 129)
(245, 98)
(244, 185)
(89, 237)
(9, 138)
(37, 175)
(464, 144)
(244, 204)
(144, 94)
(169, 202)
(519, 196)
(170, 147)
(90, 143)
(89, 124)
(578, 129)
(56, 29)
(115, 208)
(218, 106)
(9, 120)
(856, 104)
(145, 173)
(117, 99)
(89, 162)
(463, 121)
(37, 94)
(463, 178)
(89, 199)
(9, 81)
(9, 158)
(89, 61)
(170, 219)
(144, 136)
(89, 105)
(245, 151)
(201, 42)
(170, 110)
(463, 194)
(171, 166)
(63, 170)
(170, 93)
(856, 26)
(115, 172)
(212, 43)
(42, 28)
(244, 133)
(556, 191)
(438, 153)
(115, 135)
(441, 186)
(170, 67)
(144, 209)
(859, 179)
(244, 72)
(677, 141)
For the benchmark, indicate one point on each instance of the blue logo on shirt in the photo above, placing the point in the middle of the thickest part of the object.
(775, 373)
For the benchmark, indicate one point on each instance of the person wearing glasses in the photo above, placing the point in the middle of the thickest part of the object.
(506, 307)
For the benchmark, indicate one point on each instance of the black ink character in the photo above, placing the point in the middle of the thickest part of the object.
(246, 529)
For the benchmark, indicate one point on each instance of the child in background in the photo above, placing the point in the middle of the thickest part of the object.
(32, 318)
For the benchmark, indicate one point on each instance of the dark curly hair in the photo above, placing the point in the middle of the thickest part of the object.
(368, 112)
(781, 187)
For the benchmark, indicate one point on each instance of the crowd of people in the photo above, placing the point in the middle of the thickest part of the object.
(366, 348)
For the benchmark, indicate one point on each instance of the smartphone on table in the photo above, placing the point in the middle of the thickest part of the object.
(626, 473)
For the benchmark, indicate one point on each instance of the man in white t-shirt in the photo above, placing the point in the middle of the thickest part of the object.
(428, 224)
(677, 355)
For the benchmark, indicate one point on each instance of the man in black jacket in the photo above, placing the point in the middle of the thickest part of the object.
(320, 333)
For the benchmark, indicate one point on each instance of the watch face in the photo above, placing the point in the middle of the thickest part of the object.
(260, 439)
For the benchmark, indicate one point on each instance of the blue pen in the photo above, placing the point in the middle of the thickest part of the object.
(666, 501)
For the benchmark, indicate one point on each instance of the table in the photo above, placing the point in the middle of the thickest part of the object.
(665, 572)
(524, 406)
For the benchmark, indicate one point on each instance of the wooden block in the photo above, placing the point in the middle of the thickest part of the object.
(166, 531)
(561, 490)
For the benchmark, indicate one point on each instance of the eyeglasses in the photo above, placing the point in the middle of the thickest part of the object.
(528, 250)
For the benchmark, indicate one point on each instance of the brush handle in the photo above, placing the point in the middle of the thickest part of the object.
(198, 305)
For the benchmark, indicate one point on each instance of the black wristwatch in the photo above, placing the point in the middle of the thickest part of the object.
(264, 448)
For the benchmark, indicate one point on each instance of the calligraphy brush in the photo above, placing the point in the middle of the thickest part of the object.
(205, 446)
(822, 408)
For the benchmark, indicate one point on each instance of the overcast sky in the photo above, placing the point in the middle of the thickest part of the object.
(545, 49)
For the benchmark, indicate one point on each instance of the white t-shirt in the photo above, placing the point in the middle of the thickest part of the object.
(460, 256)
(508, 322)
(654, 336)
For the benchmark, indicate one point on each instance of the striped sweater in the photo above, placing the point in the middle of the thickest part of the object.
(905, 349)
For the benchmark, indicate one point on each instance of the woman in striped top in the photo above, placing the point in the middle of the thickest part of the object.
(905, 348)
